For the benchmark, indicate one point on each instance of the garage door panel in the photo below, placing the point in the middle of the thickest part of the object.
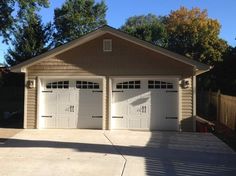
(50, 122)
(171, 119)
(149, 106)
(90, 109)
(134, 123)
(63, 108)
(138, 123)
(50, 97)
(66, 121)
(73, 103)
(62, 121)
(119, 109)
(50, 108)
(119, 96)
(63, 96)
(158, 108)
(90, 104)
(119, 122)
(130, 104)
(173, 106)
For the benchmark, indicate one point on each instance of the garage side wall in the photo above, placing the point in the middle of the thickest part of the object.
(186, 123)
(31, 104)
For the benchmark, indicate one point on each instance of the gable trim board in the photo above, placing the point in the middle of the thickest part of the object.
(131, 59)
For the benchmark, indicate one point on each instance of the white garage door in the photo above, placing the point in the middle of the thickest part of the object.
(71, 103)
(150, 104)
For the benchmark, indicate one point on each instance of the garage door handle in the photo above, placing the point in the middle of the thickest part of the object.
(72, 108)
(144, 108)
(47, 116)
(117, 91)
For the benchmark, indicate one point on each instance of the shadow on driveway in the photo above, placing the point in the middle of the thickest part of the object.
(166, 153)
(194, 154)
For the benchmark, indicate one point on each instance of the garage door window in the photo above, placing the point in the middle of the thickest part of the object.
(86, 85)
(153, 84)
(58, 85)
(129, 85)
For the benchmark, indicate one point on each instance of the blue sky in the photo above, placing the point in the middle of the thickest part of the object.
(119, 10)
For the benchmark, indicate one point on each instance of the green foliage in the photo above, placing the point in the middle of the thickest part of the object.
(30, 39)
(26, 9)
(76, 18)
(193, 34)
(223, 75)
(6, 19)
(149, 28)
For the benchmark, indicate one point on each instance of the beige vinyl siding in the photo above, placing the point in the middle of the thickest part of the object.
(126, 59)
(31, 105)
(55, 67)
(187, 107)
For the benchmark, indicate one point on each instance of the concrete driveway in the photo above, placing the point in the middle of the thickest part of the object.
(111, 153)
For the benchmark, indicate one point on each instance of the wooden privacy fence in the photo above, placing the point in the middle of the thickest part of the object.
(227, 110)
(222, 107)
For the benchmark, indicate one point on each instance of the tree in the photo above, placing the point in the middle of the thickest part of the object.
(193, 34)
(8, 19)
(76, 18)
(149, 28)
(224, 74)
(30, 39)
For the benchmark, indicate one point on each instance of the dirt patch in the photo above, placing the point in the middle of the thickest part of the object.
(6, 133)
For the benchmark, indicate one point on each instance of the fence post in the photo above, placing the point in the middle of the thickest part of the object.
(218, 106)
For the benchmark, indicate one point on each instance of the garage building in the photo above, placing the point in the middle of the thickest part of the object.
(110, 80)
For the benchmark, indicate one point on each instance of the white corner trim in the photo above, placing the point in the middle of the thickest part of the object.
(38, 108)
(25, 102)
(179, 105)
(110, 103)
(23, 70)
(194, 102)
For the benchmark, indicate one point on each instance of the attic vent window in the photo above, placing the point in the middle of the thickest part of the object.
(107, 45)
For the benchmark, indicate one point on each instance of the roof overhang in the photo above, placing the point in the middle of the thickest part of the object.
(199, 68)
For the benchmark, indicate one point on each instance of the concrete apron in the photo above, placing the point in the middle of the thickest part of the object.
(59, 153)
(97, 152)
(173, 153)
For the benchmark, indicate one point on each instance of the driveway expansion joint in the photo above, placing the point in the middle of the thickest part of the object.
(118, 151)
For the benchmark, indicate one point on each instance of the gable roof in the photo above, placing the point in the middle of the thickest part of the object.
(198, 66)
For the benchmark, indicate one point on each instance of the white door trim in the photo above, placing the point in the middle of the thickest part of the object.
(39, 90)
